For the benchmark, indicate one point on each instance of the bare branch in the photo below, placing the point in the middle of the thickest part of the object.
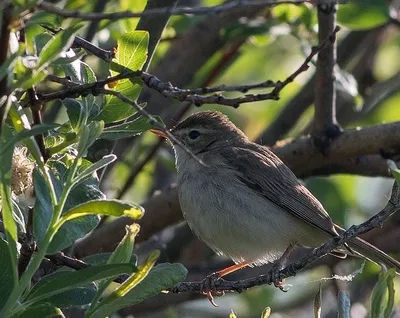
(227, 6)
(374, 222)
(325, 124)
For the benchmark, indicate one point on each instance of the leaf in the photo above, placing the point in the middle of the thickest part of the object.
(6, 273)
(45, 19)
(58, 44)
(131, 55)
(161, 277)
(103, 207)
(89, 136)
(361, 14)
(344, 305)
(10, 228)
(382, 293)
(102, 258)
(266, 313)
(129, 284)
(75, 111)
(122, 254)
(103, 162)
(8, 64)
(128, 129)
(318, 302)
(40, 311)
(71, 298)
(60, 282)
(27, 133)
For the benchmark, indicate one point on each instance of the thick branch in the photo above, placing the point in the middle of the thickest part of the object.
(300, 155)
(375, 222)
(325, 92)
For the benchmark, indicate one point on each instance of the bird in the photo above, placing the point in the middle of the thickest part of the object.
(241, 199)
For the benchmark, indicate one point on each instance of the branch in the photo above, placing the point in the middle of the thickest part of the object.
(239, 286)
(325, 124)
(300, 155)
(227, 6)
(195, 95)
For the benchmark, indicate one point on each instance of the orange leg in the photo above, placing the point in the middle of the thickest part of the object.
(215, 276)
(232, 269)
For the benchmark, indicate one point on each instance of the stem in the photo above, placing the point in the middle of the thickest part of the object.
(38, 257)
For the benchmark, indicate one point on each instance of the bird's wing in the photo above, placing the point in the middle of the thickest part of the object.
(261, 170)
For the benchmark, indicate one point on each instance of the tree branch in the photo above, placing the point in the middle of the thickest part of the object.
(325, 124)
(239, 286)
(227, 6)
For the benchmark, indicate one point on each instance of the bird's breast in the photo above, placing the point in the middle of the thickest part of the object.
(234, 220)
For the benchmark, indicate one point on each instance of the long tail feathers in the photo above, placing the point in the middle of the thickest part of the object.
(371, 253)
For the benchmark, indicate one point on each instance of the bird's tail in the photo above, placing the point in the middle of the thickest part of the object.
(368, 251)
(373, 254)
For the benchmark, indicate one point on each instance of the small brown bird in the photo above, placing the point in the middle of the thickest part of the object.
(245, 203)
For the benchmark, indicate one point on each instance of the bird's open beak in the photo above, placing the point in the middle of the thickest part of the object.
(159, 133)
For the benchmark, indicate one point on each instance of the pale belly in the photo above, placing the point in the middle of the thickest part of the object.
(236, 222)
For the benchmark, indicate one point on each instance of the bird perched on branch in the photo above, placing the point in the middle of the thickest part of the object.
(245, 203)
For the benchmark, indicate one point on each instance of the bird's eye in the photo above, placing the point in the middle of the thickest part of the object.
(193, 134)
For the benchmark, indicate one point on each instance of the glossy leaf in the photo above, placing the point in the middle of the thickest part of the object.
(132, 55)
(103, 162)
(58, 44)
(103, 207)
(10, 227)
(383, 295)
(360, 14)
(6, 274)
(128, 129)
(60, 282)
(75, 111)
(161, 277)
(40, 311)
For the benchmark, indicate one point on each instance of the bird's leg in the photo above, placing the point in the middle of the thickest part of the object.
(210, 280)
(277, 266)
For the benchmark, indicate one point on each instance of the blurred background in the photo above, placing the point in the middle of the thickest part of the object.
(243, 47)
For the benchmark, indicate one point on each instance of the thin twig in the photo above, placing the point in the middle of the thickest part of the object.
(374, 222)
(93, 16)
(152, 121)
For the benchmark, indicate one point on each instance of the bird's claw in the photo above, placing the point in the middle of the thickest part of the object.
(208, 287)
(275, 277)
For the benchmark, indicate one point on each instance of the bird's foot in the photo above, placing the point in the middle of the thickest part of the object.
(275, 277)
(208, 287)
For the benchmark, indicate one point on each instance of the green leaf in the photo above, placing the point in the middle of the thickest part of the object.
(89, 135)
(266, 313)
(40, 41)
(161, 277)
(75, 111)
(122, 254)
(40, 311)
(103, 207)
(383, 295)
(102, 258)
(27, 133)
(58, 44)
(103, 162)
(10, 228)
(7, 274)
(361, 14)
(344, 305)
(60, 282)
(45, 19)
(128, 129)
(71, 298)
(132, 55)
(8, 65)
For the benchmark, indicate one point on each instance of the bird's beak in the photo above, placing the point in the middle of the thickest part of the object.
(159, 133)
